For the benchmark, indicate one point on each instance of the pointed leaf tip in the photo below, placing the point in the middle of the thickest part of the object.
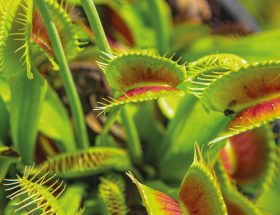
(155, 201)
(200, 192)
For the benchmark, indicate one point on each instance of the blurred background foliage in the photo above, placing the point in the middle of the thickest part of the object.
(265, 12)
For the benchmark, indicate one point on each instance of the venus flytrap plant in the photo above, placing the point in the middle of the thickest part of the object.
(24, 39)
(141, 76)
(24, 20)
(66, 29)
(200, 74)
(8, 157)
(68, 32)
(254, 100)
(254, 172)
(103, 45)
(23, 110)
(199, 193)
(43, 193)
(149, 69)
(206, 70)
(73, 194)
(14, 45)
(156, 202)
(42, 55)
(223, 64)
(226, 99)
(18, 49)
(235, 202)
(96, 160)
(92, 161)
(252, 117)
(25, 34)
(259, 84)
(111, 195)
(177, 141)
(33, 193)
(54, 123)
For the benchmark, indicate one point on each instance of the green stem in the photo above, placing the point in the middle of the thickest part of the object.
(162, 24)
(133, 140)
(111, 119)
(96, 25)
(75, 105)
(103, 45)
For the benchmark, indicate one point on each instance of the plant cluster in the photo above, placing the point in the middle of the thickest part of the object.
(196, 131)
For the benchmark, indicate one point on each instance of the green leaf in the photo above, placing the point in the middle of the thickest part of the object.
(168, 106)
(185, 107)
(247, 85)
(11, 207)
(268, 201)
(156, 202)
(72, 197)
(141, 76)
(87, 162)
(235, 202)
(37, 194)
(4, 121)
(133, 140)
(5, 161)
(5, 91)
(161, 186)
(127, 71)
(238, 204)
(250, 118)
(54, 122)
(149, 128)
(66, 29)
(92, 204)
(192, 124)
(3, 200)
(24, 18)
(207, 70)
(7, 45)
(16, 31)
(26, 106)
(112, 195)
(252, 173)
(41, 56)
(200, 193)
